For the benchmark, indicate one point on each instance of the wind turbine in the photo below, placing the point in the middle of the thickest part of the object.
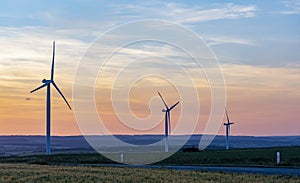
(167, 121)
(48, 100)
(227, 129)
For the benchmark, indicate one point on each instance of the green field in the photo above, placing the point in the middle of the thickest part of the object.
(53, 173)
(290, 156)
(41, 168)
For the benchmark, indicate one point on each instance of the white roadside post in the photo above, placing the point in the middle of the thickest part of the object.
(278, 157)
(122, 156)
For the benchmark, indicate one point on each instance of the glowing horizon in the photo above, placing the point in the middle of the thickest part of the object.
(255, 43)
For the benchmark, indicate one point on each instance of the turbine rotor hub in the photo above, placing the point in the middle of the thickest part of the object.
(46, 81)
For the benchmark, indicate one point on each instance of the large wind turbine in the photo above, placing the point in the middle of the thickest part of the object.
(167, 121)
(227, 129)
(48, 100)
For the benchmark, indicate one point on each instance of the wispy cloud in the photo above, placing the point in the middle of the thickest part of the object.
(196, 14)
(189, 14)
(285, 79)
(216, 40)
(27, 32)
(25, 54)
(292, 6)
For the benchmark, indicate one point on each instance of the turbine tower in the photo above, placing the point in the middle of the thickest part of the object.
(48, 100)
(167, 121)
(227, 129)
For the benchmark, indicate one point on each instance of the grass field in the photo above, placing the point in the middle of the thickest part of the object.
(290, 156)
(53, 173)
(40, 168)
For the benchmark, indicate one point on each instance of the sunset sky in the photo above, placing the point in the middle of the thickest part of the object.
(256, 42)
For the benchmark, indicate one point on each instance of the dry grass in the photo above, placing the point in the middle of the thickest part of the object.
(51, 173)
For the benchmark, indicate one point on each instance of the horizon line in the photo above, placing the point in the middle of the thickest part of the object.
(80, 135)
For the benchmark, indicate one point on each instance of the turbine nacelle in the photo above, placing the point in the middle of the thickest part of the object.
(230, 123)
(164, 110)
(46, 81)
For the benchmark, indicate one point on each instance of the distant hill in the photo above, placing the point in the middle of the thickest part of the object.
(25, 145)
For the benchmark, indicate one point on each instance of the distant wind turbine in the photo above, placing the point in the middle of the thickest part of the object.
(48, 100)
(227, 129)
(167, 121)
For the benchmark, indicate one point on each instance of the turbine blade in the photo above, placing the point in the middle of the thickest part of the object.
(52, 68)
(39, 87)
(61, 94)
(173, 106)
(227, 115)
(169, 119)
(163, 100)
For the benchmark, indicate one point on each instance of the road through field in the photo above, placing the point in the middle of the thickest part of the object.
(230, 169)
